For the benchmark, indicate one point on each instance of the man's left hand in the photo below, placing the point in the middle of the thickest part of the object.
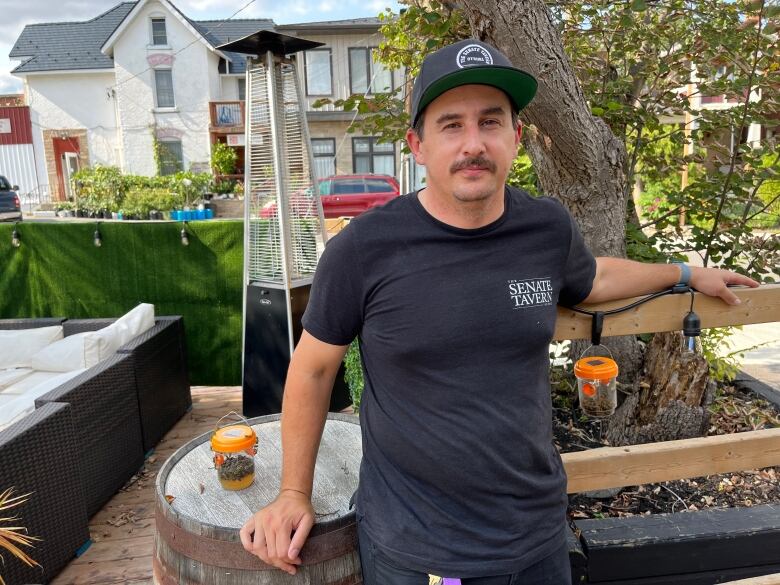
(714, 282)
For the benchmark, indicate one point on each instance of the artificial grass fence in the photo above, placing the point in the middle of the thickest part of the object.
(58, 272)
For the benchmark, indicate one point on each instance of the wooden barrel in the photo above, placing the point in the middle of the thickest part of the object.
(197, 521)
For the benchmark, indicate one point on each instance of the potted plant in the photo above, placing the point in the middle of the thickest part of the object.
(13, 537)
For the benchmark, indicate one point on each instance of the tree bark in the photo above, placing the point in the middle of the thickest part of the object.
(577, 158)
(673, 398)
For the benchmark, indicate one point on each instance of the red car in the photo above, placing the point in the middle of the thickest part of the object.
(344, 195)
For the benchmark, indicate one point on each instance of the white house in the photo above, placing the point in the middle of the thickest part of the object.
(143, 75)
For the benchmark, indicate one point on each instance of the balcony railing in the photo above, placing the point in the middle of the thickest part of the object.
(227, 114)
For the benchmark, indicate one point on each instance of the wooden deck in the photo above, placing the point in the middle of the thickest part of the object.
(123, 531)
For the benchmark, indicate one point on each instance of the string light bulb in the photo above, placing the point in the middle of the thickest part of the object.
(691, 329)
(16, 239)
(185, 240)
(97, 239)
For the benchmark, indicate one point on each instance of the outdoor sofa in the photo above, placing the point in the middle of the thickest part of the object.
(87, 436)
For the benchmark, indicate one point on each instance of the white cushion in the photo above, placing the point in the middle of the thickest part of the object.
(14, 408)
(12, 375)
(64, 355)
(99, 345)
(135, 322)
(17, 346)
(15, 405)
(29, 382)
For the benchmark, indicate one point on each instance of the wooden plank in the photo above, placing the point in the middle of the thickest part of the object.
(609, 467)
(759, 305)
(105, 572)
(773, 579)
(637, 548)
(700, 578)
(124, 549)
(335, 225)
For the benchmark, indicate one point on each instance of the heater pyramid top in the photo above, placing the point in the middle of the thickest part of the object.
(258, 43)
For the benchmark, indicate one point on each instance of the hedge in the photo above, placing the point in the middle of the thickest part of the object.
(58, 271)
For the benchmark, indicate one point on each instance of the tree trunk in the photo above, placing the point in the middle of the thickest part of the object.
(673, 398)
(577, 158)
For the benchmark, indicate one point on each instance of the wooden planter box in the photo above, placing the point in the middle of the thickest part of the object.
(686, 548)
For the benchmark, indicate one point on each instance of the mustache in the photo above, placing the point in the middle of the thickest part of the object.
(475, 161)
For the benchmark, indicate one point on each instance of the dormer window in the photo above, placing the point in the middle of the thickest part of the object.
(159, 34)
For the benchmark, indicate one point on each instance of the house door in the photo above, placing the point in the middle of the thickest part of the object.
(70, 164)
(62, 147)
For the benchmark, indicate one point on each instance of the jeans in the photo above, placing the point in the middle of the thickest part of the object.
(379, 570)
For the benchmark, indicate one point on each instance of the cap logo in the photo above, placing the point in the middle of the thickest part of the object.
(473, 55)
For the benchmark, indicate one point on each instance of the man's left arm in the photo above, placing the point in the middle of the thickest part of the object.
(618, 278)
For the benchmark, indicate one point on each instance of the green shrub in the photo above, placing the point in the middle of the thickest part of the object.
(224, 187)
(139, 202)
(223, 159)
(769, 196)
(99, 188)
(353, 373)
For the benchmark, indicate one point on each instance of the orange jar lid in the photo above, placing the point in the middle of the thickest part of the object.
(596, 368)
(233, 438)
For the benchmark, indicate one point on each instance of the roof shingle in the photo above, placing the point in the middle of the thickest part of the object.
(68, 45)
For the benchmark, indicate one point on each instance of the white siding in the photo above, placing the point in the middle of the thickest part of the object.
(17, 164)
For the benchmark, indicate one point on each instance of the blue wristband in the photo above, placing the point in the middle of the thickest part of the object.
(685, 274)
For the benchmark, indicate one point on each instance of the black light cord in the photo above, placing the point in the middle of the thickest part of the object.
(598, 316)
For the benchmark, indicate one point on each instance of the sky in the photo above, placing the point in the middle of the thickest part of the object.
(18, 13)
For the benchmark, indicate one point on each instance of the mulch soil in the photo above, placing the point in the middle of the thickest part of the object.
(734, 410)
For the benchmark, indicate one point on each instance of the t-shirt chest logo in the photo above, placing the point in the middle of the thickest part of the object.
(530, 292)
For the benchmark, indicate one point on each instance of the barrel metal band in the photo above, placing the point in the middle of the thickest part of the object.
(232, 555)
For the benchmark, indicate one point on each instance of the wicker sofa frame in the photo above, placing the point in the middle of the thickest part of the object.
(102, 423)
(160, 364)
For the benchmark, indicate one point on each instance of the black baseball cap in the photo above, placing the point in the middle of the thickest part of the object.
(467, 62)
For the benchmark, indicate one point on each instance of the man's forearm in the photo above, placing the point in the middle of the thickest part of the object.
(304, 410)
(618, 278)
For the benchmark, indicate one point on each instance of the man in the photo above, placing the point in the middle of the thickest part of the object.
(452, 291)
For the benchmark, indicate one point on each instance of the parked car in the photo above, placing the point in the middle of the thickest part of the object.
(343, 195)
(10, 206)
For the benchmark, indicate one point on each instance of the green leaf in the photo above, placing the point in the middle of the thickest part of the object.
(638, 5)
(597, 111)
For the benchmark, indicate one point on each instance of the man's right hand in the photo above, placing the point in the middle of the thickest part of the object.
(267, 532)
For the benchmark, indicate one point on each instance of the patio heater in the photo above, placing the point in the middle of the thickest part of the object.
(284, 227)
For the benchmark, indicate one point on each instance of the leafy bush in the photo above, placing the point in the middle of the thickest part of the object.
(523, 175)
(99, 188)
(353, 373)
(223, 159)
(139, 202)
(768, 194)
(102, 187)
(223, 187)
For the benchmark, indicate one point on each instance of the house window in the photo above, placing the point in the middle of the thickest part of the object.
(366, 73)
(159, 34)
(369, 156)
(241, 88)
(318, 72)
(324, 151)
(171, 157)
(163, 85)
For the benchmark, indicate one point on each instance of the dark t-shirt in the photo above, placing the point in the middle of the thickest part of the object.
(460, 476)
